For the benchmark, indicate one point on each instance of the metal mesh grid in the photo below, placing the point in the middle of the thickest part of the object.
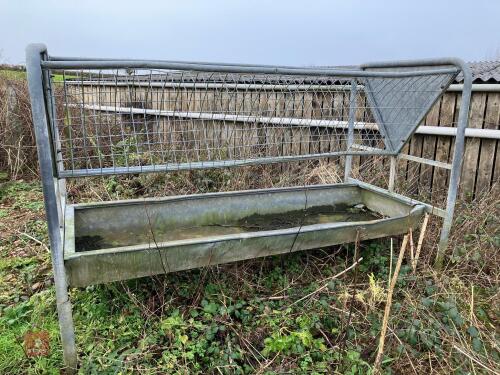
(124, 121)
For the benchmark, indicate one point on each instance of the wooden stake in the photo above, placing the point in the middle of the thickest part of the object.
(390, 264)
(412, 247)
(420, 241)
(388, 303)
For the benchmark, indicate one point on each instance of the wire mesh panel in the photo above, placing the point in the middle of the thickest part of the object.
(127, 121)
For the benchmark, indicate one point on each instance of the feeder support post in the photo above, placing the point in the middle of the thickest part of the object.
(392, 173)
(350, 129)
(456, 167)
(37, 85)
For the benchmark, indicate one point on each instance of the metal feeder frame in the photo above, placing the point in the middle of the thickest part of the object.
(376, 77)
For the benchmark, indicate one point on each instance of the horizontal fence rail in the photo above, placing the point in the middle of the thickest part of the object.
(428, 130)
(485, 87)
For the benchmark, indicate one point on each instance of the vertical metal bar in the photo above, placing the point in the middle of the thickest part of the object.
(456, 167)
(85, 138)
(350, 129)
(392, 173)
(68, 119)
(93, 116)
(34, 54)
(60, 184)
(118, 100)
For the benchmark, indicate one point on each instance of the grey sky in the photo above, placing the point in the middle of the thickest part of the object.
(273, 32)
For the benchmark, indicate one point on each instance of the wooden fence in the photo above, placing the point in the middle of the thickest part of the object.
(481, 166)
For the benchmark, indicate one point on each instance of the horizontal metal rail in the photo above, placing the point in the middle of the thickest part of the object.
(70, 58)
(209, 85)
(478, 87)
(452, 132)
(420, 160)
(294, 121)
(338, 124)
(487, 87)
(206, 164)
(257, 69)
(417, 159)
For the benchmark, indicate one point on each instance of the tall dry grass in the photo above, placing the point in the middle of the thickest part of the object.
(17, 141)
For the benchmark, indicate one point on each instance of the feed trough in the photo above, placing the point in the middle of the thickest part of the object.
(135, 238)
(107, 117)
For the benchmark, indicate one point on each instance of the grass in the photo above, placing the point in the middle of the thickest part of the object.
(60, 78)
(12, 74)
(20, 75)
(241, 318)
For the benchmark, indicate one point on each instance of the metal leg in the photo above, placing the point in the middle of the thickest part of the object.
(456, 167)
(52, 201)
(65, 320)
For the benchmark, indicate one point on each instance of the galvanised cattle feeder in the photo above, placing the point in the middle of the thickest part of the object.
(98, 117)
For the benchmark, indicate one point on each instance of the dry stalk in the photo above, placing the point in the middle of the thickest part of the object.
(420, 241)
(490, 370)
(390, 263)
(387, 311)
(17, 142)
(35, 240)
(412, 247)
(327, 279)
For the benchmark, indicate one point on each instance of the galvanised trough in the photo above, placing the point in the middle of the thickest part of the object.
(120, 240)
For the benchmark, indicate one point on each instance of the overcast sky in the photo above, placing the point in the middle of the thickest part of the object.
(289, 32)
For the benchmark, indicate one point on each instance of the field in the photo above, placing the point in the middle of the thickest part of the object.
(305, 313)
